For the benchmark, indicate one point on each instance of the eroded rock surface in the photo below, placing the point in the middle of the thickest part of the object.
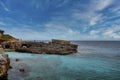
(52, 47)
(4, 64)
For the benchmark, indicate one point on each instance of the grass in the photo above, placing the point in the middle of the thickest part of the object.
(7, 37)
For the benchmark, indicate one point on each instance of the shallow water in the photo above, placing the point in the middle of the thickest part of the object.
(92, 62)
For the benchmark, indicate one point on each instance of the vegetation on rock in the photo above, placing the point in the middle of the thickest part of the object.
(7, 37)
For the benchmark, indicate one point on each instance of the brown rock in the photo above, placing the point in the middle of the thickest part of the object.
(10, 67)
(17, 60)
(4, 64)
(54, 47)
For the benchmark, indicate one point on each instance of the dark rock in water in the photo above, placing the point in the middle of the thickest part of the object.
(17, 60)
(53, 47)
(4, 65)
(22, 70)
(10, 67)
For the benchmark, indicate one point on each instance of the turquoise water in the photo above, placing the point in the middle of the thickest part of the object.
(90, 63)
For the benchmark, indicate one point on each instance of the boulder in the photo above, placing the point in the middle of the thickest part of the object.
(4, 65)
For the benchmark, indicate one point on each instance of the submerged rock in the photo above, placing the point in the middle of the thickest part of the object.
(22, 70)
(10, 67)
(4, 64)
(17, 60)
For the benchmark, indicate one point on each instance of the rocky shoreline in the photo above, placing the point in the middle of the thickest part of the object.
(61, 47)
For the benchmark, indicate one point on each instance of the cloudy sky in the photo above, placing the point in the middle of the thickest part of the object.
(61, 19)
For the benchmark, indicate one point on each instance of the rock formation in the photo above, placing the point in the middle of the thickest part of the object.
(11, 44)
(54, 47)
(4, 65)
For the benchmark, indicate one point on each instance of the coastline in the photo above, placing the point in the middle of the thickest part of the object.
(62, 47)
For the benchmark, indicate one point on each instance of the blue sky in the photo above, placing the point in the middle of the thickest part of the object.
(61, 19)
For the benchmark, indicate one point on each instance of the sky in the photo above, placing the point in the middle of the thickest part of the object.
(61, 19)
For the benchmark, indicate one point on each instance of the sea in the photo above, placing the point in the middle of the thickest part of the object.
(95, 60)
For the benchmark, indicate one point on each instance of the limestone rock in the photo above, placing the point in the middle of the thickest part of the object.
(4, 65)
(54, 47)
(11, 44)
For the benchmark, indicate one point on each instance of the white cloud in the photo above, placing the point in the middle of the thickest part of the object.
(116, 35)
(62, 31)
(113, 32)
(94, 32)
(92, 15)
(3, 5)
(115, 10)
(95, 19)
(99, 5)
(108, 32)
(105, 33)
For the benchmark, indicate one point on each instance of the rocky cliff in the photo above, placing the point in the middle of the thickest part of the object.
(4, 64)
